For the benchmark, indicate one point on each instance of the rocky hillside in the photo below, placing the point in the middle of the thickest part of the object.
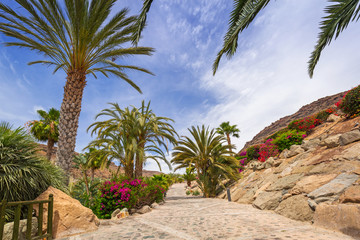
(309, 109)
(316, 182)
(104, 174)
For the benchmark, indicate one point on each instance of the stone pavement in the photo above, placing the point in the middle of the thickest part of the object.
(192, 218)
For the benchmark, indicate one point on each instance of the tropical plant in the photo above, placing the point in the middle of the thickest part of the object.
(189, 176)
(85, 193)
(129, 193)
(350, 103)
(78, 37)
(81, 161)
(338, 15)
(209, 155)
(253, 152)
(228, 130)
(24, 174)
(46, 129)
(267, 149)
(131, 133)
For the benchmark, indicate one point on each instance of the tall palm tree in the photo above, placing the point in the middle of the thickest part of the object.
(131, 133)
(209, 155)
(46, 129)
(338, 15)
(228, 130)
(78, 37)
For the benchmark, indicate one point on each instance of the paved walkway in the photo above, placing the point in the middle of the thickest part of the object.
(193, 218)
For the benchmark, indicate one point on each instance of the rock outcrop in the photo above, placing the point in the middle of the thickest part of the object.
(318, 181)
(69, 216)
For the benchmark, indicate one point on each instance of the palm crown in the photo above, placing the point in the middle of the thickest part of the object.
(78, 38)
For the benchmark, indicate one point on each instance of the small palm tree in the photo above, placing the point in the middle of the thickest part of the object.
(131, 133)
(228, 130)
(81, 162)
(209, 155)
(46, 129)
(78, 37)
(189, 176)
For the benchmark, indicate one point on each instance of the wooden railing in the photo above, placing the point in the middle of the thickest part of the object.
(30, 204)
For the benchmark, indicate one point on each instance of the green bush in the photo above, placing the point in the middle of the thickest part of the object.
(128, 194)
(24, 174)
(78, 191)
(350, 103)
(289, 138)
(188, 192)
(253, 152)
(196, 193)
(323, 115)
(276, 134)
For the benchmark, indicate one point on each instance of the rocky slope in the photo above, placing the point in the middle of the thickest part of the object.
(317, 182)
(309, 109)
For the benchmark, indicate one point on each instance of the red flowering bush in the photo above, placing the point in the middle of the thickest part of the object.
(128, 194)
(305, 124)
(267, 149)
(323, 115)
(350, 103)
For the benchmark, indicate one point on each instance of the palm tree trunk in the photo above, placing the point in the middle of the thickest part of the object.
(129, 170)
(138, 167)
(228, 140)
(69, 118)
(50, 146)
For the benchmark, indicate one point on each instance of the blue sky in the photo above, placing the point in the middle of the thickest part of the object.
(265, 80)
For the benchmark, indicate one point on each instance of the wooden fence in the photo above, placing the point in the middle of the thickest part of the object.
(30, 204)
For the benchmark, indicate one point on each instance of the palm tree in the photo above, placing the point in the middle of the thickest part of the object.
(46, 129)
(338, 15)
(228, 130)
(81, 161)
(209, 155)
(131, 133)
(78, 37)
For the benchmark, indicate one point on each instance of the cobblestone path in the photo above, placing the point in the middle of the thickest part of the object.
(193, 218)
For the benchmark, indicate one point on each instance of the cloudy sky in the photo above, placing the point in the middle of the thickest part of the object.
(266, 79)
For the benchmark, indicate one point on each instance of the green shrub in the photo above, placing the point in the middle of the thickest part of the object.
(288, 138)
(253, 152)
(128, 194)
(24, 174)
(188, 192)
(78, 191)
(350, 103)
(276, 134)
(196, 193)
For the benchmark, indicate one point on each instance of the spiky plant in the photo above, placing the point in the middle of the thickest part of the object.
(79, 37)
(24, 174)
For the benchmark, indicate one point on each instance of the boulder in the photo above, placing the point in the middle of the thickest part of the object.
(119, 214)
(154, 205)
(267, 200)
(247, 196)
(295, 150)
(70, 217)
(333, 118)
(335, 187)
(284, 182)
(296, 208)
(310, 144)
(349, 137)
(343, 217)
(351, 153)
(144, 209)
(310, 183)
(8, 229)
(331, 142)
(351, 195)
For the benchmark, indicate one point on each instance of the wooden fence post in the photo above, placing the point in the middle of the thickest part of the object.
(50, 215)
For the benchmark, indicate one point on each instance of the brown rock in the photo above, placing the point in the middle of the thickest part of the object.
(343, 217)
(284, 183)
(310, 183)
(351, 194)
(296, 208)
(247, 197)
(349, 137)
(332, 141)
(267, 200)
(70, 217)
